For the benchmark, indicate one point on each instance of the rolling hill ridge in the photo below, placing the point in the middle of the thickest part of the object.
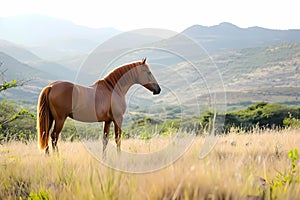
(227, 36)
(251, 61)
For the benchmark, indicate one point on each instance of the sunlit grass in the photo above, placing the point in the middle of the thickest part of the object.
(238, 166)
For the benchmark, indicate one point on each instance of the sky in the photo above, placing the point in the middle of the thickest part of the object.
(174, 15)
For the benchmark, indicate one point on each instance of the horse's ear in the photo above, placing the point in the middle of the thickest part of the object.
(144, 60)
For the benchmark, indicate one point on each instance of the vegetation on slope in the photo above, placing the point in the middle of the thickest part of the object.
(259, 115)
(17, 123)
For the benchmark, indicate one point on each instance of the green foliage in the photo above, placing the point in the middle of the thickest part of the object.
(256, 116)
(289, 177)
(16, 123)
(263, 114)
(169, 127)
(148, 127)
(14, 120)
(206, 118)
(142, 128)
(9, 84)
(291, 122)
(69, 132)
(74, 130)
(40, 195)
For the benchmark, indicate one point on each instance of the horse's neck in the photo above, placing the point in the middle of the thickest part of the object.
(122, 86)
(121, 80)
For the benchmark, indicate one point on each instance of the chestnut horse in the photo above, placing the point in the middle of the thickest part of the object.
(104, 101)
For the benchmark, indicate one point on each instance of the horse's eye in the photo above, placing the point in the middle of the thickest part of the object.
(149, 76)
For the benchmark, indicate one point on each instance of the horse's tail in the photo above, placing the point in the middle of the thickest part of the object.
(44, 118)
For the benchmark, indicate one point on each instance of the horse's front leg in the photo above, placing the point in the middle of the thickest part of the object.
(105, 137)
(53, 142)
(118, 132)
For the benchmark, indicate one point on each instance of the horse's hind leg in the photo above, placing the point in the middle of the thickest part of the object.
(55, 133)
(105, 137)
(49, 128)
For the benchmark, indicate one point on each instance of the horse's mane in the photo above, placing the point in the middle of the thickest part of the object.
(113, 77)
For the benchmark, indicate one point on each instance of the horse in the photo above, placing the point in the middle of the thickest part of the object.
(103, 101)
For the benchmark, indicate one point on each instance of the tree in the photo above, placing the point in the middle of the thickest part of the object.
(4, 85)
(10, 128)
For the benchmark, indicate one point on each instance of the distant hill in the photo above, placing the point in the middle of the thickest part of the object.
(227, 36)
(69, 44)
(26, 57)
(270, 73)
(17, 51)
(56, 36)
(18, 70)
(38, 29)
(269, 66)
(254, 63)
(22, 72)
(38, 74)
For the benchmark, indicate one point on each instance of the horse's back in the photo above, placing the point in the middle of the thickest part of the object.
(61, 90)
(60, 98)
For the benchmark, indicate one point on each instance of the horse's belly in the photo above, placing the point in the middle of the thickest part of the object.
(83, 105)
(84, 114)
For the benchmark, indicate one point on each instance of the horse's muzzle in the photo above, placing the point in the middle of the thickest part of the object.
(156, 90)
(153, 87)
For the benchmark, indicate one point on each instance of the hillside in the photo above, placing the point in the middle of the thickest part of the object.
(268, 73)
(38, 74)
(227, 36)
(243, 76)
(254, 74)
(53, 39)
(20, 71)
(242, 64)
(18, 52)
(27, 57)
(272, 66)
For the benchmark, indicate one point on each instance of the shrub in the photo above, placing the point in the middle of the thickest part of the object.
(291, 122)
(16, 123)
(263, 114)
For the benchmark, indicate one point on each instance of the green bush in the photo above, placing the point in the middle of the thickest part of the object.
(291, 122)
(16, 123)
(263, 114)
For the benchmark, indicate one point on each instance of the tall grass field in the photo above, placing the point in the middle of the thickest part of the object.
(262, 165)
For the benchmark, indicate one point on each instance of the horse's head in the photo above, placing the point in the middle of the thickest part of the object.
(146, 78)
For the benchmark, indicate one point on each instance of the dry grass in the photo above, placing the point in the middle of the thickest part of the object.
(238, 166)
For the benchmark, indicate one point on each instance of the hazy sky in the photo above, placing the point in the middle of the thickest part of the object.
(174, 15)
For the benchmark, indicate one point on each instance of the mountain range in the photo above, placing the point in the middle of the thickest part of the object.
(249, 59)
(227, 36)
